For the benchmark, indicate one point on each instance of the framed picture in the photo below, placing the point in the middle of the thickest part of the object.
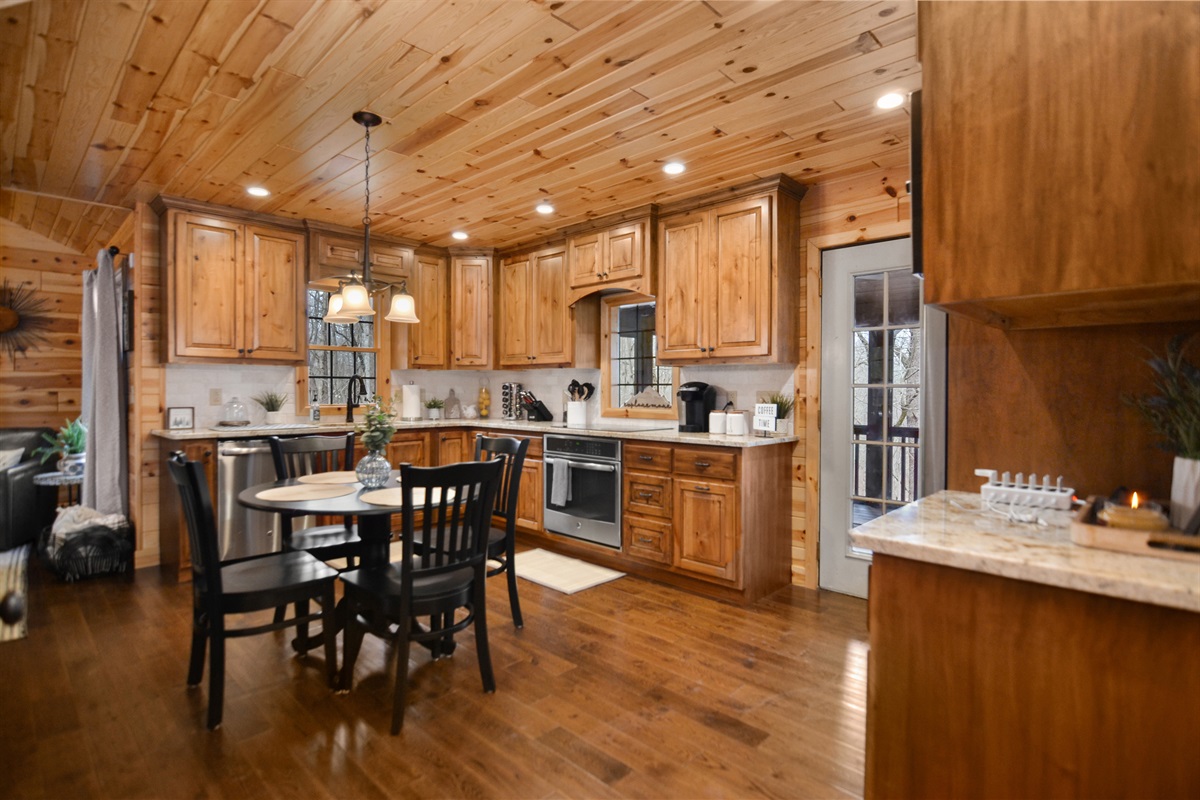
(180, 418)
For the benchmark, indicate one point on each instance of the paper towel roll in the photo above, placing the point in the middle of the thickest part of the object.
(410, 401)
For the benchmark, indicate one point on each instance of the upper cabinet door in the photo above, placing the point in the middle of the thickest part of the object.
(587, 268)
(427, 338)
(206, 288)
(274, 294)
(739, 298)
(471, 312)
(623, 252)
(514, 310)
(551, 326)
(683, 270)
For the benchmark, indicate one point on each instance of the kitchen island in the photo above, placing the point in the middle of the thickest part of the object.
(1007, 661)
(706, 513)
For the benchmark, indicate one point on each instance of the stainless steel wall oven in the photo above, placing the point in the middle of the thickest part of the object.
(582, 489)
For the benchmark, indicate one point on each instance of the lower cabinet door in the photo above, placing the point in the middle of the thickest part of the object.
(647, 539)
(529, 497)
(706, 529)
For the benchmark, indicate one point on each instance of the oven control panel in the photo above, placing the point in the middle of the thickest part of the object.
(604, 449)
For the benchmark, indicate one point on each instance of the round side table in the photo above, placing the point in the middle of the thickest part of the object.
(72, 482)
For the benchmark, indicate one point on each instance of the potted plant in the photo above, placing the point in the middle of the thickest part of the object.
(1174, 414)
(783, 411)
(434, 406)
(273, 403)
(376, 430)
(70, 444)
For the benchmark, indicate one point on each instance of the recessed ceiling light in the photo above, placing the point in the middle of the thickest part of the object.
(890, 100)
(674, 167)
(257, 191)
(544, 207)
(460, 235)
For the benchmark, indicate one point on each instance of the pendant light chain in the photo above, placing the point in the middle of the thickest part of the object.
(367, 192)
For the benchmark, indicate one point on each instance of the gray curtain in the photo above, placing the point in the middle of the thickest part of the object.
(106, 476)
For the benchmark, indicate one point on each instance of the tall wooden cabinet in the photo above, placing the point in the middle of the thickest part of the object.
(537, 328)
(427, 344)
(235, 289)
(607, 254)
(729, 278)
(470, 311)
(1083, 207)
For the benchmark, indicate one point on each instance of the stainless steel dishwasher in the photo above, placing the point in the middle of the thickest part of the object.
(242, 531)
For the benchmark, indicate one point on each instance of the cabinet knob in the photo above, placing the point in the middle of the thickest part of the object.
(207, 453)
(241, 351)
(251, 350)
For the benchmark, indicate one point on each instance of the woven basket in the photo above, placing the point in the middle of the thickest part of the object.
(98, 550)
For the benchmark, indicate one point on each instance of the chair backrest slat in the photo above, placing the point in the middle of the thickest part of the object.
(455, 515)
(513, 452)
(308, 455)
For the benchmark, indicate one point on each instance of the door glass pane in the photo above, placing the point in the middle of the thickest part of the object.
(868, 300)
(862, 511)
(904, 408)
(905, 361)
(868, 470)
(868, 356)
(868, 414)
(904, 298)
(902, 480)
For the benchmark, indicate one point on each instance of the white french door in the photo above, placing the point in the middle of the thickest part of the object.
(873, 354)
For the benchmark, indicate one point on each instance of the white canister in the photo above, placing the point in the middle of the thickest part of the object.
(576, 413)
(716, 422)
(735, 423)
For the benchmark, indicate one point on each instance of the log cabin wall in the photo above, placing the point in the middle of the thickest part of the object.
(147, 384)
(851, 206)
(43, 386)
(1050, 401)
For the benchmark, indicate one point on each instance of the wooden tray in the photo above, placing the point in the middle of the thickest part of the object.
(1088, 531)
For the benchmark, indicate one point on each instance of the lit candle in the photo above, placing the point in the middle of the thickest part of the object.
(1135, 516)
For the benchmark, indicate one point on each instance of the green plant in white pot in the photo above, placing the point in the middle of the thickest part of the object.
(69, 444)
(1174, 414)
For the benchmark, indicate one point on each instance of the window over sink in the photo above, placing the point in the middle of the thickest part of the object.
(632, 382)
(336, 352)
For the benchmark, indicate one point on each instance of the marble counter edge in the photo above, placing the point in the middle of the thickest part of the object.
(1017, 551)
(665, 436)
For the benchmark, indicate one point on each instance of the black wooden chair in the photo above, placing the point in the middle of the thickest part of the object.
(502, 540)
(242, 586)
(450, 573)
(308, 455)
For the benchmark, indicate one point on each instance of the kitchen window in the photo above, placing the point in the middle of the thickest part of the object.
(337, 352)
(633, 383)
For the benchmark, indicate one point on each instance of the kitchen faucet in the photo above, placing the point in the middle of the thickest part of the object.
(350, 403)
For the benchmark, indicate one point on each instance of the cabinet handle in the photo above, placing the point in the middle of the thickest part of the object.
(456, 358)
(251, 350)
(241, 351)
(646, 458)
(207, 453)
(645, 540)
(700, 487)
(645, 495)
(702, 465)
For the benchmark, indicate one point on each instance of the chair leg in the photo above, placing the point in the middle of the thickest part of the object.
(481, 637)
(199, 641)
(401, 696)
(351, 642)
(513, 600)
(216, 677)
(329, 633)
(302, 627)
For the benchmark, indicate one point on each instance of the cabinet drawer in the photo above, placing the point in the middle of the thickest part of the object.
(647, 494)
(650, 458)
(647, 539)
(710, 463)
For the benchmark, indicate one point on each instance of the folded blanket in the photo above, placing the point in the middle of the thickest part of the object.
(73, 519)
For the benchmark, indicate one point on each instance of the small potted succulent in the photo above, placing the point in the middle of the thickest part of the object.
(273, 403)
(69, 444)
(783, 412)
(434, 406)
(376, 430)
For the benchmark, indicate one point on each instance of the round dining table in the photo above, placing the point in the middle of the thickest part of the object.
(374, 520)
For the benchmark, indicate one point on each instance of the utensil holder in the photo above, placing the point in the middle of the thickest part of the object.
(576, 413)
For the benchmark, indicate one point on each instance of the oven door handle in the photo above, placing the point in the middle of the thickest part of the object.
(581, 464)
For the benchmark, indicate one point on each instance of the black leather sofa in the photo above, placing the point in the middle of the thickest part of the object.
(24, 507)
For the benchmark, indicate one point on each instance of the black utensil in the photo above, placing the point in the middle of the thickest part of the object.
(587, 390)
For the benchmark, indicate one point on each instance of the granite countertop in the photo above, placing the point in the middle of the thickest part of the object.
(668, 435)
(953, 529)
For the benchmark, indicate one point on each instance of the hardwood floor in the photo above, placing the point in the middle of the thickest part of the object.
(629, 689)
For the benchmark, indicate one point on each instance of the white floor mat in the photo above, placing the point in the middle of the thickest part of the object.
(566, 575)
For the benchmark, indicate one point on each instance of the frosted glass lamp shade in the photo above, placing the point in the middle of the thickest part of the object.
(403, 308)
(335, 316)
(356, 301)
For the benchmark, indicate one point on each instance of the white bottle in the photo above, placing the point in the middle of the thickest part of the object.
(314, 410)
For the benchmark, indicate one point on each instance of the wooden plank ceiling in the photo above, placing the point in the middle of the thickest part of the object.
(489, 106)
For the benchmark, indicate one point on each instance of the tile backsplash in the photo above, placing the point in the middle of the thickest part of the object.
(192, 385)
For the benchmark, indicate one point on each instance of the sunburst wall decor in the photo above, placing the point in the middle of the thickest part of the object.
(22, 320)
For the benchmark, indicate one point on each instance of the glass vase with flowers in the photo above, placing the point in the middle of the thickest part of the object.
(376, 430)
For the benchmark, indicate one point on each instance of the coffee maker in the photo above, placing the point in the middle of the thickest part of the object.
(696, 399)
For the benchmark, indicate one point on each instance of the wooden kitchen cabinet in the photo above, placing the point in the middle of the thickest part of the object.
(729, 277)
(454, 447)
(537, 326)
(235, 290)
(409, 448)
(1084, 209)
(706, 529)
(470, 311)
(427, 340)
(335, 254)
(614, 257)
(529, 496)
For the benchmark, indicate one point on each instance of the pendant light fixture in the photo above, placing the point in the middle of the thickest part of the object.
(353, 298)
